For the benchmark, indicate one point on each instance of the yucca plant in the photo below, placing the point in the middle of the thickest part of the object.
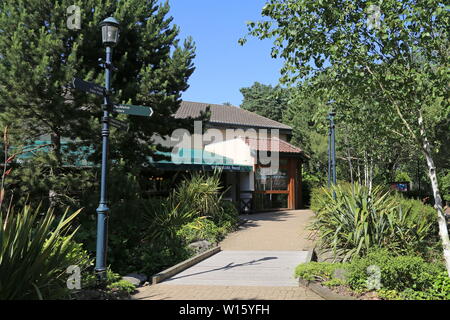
(200, 193)
(33, 253)
(359, 219)
(164, 220)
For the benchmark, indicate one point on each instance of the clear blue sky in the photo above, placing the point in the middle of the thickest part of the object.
(222, 65)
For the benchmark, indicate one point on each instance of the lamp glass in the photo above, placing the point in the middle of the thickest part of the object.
(110, 34)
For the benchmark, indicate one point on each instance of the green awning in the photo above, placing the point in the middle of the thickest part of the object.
(184, 158)
(196, 159)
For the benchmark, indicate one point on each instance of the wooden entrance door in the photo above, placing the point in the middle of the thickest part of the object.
(275, 188)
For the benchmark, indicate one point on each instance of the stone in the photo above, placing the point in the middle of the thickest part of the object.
(200, 246)
(135, 278)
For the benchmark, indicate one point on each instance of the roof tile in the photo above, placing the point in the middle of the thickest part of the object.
(271, 144)
(223, 114)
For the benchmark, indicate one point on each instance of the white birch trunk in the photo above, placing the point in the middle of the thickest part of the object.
(443, 230)
(366, 170)
(350, 165)
(359, 172)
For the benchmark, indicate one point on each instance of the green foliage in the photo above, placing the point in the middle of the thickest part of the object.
(40, 55)
(385, 68)
(402, 176)
(200, 193)
(164, 220)
(439, 290)
(203, 228)
(155, 257)
(199, 229)
(35, 251)
(397, 272)
(126, 219)
(114, 287)
(401, 277)
(114, 282)
(227, 215)
(309, 130)
(360, 219)
(77, 255)
(322, 271)
(123, 286)
(318, 196)
(309, 182)
(149, 235)
(388, 294)
(198, 196)
(265, 100)
(444, 183)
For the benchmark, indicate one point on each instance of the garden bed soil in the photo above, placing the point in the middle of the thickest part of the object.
(346, 291)
(337, 292)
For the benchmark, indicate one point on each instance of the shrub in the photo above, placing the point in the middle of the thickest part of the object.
(203, 228)
(228, 214)
(115, 283)
(164, 218)
(156, 257)
(309, 182)
(439, 290)
(200, 193)
(397, 272)
(126, 227)
(35, 250)
(148, 235)
(360, 219)
(318, 195)
(400, 277)
(322, 271)
(444, 184)
(199, 229)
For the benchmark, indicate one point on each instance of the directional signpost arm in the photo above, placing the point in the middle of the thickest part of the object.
(133, 110)
(88, 87)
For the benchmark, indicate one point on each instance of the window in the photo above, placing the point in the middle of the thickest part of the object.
(271, 179)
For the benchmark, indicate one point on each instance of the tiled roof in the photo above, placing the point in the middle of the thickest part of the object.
(271, 144)
(223, 114)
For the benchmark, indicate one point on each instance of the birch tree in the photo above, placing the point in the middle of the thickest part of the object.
(394, 54)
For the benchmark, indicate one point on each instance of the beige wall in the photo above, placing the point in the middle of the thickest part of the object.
(235, 149)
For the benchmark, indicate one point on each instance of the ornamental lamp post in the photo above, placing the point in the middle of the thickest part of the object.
(110, 37)
(110, 31)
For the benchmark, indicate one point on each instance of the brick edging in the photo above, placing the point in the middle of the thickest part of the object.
(183, 265)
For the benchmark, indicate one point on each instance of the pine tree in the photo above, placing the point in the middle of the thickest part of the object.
(40, 54)
(265, 100)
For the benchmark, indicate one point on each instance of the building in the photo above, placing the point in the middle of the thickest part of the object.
(260, 168)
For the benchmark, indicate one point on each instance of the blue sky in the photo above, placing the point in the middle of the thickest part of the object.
(222, 65)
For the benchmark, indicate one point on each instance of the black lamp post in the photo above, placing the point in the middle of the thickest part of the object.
(110, 36)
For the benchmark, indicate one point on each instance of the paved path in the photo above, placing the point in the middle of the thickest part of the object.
(189, 292)
(283, 230)
(257, 262)
(244, 268)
